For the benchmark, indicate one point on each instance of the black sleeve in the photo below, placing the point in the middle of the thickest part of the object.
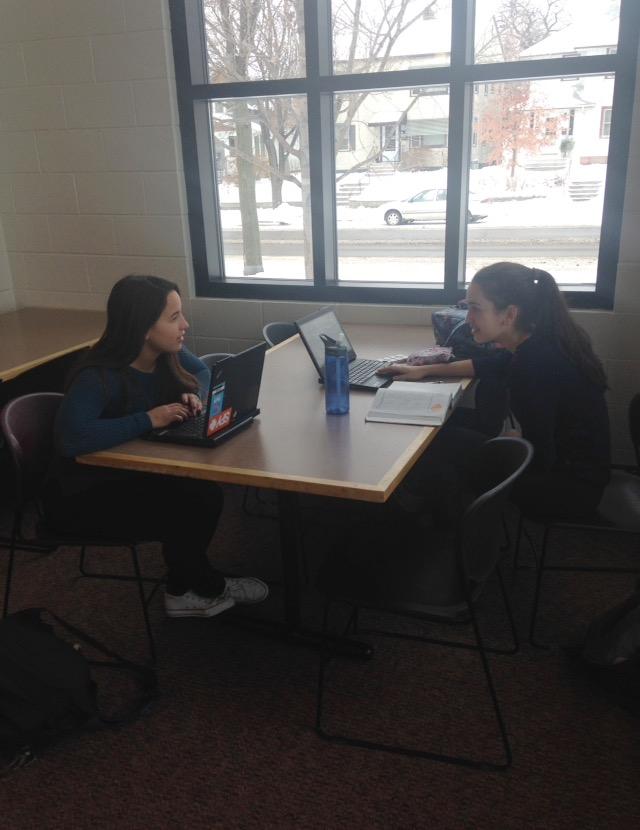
(495, 364)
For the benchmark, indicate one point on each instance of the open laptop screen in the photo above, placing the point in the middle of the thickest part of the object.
(321, 322)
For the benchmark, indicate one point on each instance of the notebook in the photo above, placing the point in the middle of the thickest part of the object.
(362, 371)
(422, 404)
(231, 405)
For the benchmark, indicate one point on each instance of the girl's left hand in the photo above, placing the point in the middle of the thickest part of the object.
(192, 402)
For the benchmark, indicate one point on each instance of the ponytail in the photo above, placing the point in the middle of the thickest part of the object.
(541, 309)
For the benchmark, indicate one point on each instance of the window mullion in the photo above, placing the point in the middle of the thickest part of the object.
(458, 147)
(318, 55)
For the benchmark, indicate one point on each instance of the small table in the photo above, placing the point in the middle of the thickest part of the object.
(294, 447)
(30, 337)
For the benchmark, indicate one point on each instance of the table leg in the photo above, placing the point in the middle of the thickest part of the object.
(289, 514)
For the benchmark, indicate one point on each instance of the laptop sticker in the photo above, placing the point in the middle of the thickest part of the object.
(219, 418)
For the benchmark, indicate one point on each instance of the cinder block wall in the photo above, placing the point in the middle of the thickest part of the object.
(91, 183)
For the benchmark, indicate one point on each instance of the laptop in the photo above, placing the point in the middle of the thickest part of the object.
(231, 405)
(362, 372)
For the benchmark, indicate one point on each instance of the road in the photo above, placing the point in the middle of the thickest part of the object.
(428, 241)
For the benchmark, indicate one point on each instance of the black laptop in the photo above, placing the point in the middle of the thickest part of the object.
(231, 405)
(362, 372)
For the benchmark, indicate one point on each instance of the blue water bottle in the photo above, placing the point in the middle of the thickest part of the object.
(336, 375)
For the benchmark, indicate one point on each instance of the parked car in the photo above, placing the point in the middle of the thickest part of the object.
(426, 206)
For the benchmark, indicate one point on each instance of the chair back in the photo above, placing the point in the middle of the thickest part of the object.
(212, 358)
(634, 425)
(496, 466)
(275, 333)
(27, 424)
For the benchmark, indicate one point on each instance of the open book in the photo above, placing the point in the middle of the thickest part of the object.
(423, 404)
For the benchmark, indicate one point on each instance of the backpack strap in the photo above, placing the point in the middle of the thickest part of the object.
(145, 676)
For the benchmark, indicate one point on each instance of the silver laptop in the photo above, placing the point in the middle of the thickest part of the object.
(362, 371)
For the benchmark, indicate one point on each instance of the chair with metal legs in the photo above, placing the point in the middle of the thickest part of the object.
(27, 425)
(438, 580)
(618, 512)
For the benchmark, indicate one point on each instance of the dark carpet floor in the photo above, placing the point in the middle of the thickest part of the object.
(230, 743)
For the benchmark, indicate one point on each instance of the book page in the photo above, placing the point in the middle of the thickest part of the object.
(413, 402)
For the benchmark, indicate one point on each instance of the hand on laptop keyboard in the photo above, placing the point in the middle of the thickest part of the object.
(193, 403)
(164, 416)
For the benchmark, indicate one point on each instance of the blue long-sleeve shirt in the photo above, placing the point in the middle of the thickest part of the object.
(102, 408)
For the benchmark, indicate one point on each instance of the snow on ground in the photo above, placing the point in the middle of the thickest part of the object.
(538, 202)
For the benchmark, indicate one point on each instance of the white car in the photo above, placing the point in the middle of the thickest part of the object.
(426, 206)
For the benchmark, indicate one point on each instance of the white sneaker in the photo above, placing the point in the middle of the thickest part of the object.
(246, 590)
(191, 604)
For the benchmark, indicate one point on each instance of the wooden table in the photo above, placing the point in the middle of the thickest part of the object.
(30, 337)
(294, 447)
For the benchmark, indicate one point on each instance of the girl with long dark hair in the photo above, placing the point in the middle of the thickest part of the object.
(140, 376)
(555, 382)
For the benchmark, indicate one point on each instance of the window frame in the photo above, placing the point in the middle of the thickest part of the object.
(319, 86)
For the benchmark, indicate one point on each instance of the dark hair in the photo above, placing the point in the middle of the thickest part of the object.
(541, 309)
(134, 305)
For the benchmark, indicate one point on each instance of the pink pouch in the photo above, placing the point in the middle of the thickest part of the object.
(432, 354)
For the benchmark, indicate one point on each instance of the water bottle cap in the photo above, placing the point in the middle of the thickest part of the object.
(334, 346)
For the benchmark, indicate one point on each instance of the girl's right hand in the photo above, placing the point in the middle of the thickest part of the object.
(402, 371)
(171, 413)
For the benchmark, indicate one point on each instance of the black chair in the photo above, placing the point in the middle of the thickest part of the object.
(27, 425)
(275, 333)
(212, 358)
(437, 579)
(618, 512)
(634, 426)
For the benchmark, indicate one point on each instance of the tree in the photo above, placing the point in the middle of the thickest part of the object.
(235, 45)
(519, 24)
(511, 124)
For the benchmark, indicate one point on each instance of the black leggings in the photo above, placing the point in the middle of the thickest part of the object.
(440, 477)
(179, 512)
(556, 497)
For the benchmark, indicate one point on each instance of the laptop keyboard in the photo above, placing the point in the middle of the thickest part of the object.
(192, 428)
(363, 369)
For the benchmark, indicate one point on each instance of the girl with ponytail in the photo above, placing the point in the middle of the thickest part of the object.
(555, 383)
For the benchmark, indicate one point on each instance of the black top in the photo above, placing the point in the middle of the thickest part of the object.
(561, 412)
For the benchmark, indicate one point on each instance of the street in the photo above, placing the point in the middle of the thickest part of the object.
(427, 240)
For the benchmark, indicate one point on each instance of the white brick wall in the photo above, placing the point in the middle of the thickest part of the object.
(91, 185)
(90, 166)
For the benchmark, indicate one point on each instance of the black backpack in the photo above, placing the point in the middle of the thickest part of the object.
(47, 690)
(450, 328)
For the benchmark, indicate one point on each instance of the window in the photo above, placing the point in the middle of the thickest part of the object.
(345, 138)
(320, 163)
